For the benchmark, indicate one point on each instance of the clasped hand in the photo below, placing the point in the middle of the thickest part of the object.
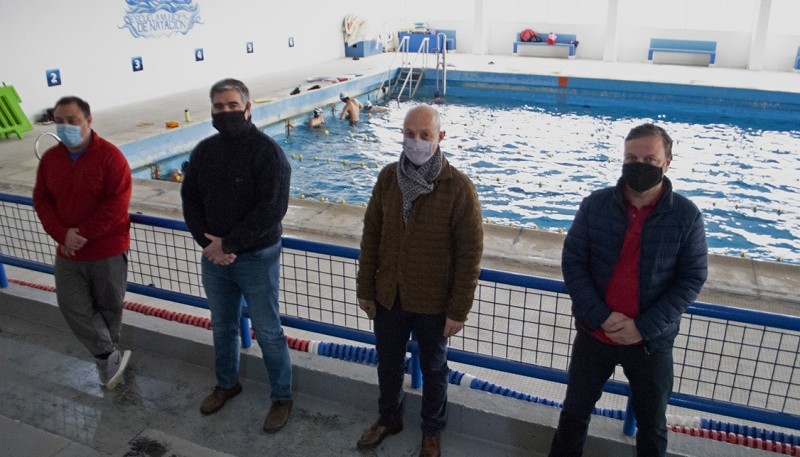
(215, 253)
(621, 329)
(73, 241)
(451, 327)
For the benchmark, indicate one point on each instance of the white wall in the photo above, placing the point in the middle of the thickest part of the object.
(84, 40)
(728, 22)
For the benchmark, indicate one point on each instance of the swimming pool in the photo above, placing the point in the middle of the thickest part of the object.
(534, 157)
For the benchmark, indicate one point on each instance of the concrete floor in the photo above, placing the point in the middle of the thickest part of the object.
(51, 405)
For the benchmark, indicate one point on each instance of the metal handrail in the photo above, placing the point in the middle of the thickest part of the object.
(409, 79)
(36, 145)
(441, 51)
(402, 45)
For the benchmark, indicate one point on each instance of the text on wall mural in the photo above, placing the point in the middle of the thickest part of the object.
(157, 18)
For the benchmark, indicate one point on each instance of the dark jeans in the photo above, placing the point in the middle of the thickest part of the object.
(650, 377)
(392, 330)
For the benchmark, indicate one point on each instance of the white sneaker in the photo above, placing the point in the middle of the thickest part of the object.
(111, 369)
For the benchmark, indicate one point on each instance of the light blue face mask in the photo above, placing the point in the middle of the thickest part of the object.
(70, 134)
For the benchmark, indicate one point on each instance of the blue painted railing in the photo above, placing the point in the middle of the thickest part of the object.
(694, 402)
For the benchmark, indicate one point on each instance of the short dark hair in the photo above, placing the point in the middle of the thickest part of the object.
(78, 101)
(230, 84)
(645, 130)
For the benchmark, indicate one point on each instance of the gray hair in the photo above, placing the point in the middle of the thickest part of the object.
(231, 84)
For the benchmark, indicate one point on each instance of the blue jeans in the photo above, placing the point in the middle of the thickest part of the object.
(254, 275)
(650, 376)
(392, 330)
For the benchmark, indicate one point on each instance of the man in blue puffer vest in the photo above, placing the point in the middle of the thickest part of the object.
(634, 259)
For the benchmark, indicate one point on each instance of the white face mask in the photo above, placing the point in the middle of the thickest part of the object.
(418, 151)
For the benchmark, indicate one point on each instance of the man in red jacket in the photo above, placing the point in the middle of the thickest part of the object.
(82, 193)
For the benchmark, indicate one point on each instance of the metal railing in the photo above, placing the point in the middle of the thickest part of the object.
(441, 62)
(405, 77)
(728, 361)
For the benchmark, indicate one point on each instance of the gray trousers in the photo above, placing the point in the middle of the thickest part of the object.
(90, 295)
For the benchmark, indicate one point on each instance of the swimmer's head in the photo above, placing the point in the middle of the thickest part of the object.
(437, 94)
(343, 97)
(317, 111)
(367, 104)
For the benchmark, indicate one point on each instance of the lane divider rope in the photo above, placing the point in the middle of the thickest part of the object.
(743, 435)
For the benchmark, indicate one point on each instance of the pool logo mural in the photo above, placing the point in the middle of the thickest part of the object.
(157, 18)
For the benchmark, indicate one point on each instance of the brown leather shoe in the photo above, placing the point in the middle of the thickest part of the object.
(277, 416)
(431, 446)
(373, 436)
(216, 400)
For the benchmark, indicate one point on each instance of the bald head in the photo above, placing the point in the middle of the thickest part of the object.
(422, 123)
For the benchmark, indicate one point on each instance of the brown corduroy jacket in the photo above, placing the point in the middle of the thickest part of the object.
(433, 262)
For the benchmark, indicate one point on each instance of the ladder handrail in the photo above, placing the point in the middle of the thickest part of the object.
(409, 77)
(404, 43)
(441, 50)
(403, 50)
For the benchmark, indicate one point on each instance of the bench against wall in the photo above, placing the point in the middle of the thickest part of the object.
(562, 40)
(683, 46)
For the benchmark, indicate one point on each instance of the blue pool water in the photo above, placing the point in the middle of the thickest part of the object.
(533, 163)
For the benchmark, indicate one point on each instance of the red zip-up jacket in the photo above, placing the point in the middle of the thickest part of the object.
(92, 193)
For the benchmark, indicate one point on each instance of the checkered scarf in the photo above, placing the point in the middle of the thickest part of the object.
(415, 181)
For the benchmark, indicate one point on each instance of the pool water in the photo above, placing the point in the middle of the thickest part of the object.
(532, 165)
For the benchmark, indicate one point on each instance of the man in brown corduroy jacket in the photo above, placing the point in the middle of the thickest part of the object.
(418, 269)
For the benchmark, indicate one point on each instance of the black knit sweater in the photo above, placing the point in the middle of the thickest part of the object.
(237, 189)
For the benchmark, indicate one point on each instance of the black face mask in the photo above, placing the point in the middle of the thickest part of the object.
(641, 176)
(230, 123)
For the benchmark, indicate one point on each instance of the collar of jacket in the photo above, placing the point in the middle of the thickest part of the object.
(446, 172)
(251, 128)
(665, 204)
(94, 139)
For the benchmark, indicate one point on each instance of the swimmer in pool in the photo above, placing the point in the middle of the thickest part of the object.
(316, 120)
(351, 109)
(370, 108)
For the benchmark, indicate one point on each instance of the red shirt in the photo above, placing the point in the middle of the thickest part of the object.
(622, 294)
(91, 193)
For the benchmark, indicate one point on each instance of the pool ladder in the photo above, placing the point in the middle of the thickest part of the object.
(410, 74)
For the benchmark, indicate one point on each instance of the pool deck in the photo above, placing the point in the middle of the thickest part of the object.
(24, 420)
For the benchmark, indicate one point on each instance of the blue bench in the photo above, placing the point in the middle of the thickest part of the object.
(683, 46)
(562, 40)
(797, 60)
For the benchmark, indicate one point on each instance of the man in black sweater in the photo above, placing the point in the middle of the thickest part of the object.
(235, 194)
